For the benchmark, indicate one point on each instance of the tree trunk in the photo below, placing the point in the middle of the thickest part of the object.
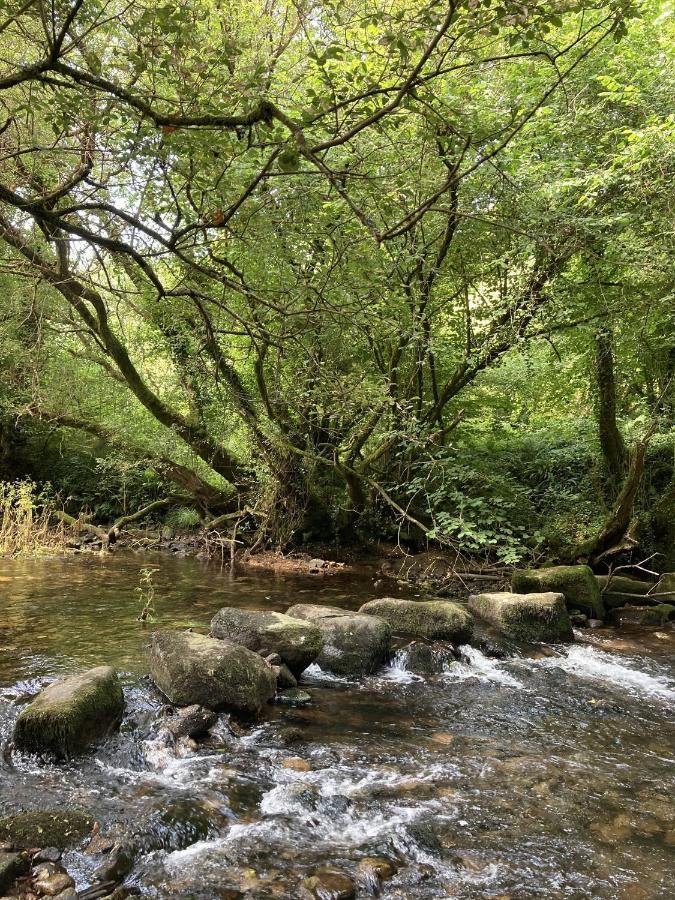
(611, 440)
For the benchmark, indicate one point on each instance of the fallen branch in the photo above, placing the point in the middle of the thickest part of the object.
(120, 523)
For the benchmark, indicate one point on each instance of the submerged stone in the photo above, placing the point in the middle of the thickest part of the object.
(525, 617)
(297, 642)
(53, 828)
(329, 883)
(193, 669)
(353, 643)
(644, 615)
(430, 619)
(294, 697)
(190, 721)
(72, 713)
(578, 585)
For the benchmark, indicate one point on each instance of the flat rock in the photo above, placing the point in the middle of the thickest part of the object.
(72, 713)
(431, 619)
(353, 643)
(190, 668)
(525, 617)
(297, 642)
(578, 585)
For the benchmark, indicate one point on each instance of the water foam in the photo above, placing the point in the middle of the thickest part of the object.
(481, 667)
(617, 671)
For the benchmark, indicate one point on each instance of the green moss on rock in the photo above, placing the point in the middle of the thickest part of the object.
(578, 585)
(525, 617)
(191, 668)
(49, 828)
(644, 615)
(430, 619)
(353, 643)
(297, 642)
(70, 714)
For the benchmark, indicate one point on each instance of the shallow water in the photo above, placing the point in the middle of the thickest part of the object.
(538, 775)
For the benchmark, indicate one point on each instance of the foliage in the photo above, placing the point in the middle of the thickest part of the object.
(339, 263)
(26, 526)
(183, 517)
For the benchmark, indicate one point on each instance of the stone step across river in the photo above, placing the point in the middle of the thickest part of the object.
(297, 642)
(430, 619)
(71, 714)
(353, 643)
(577, 584)
(525, 617)
(190, 668)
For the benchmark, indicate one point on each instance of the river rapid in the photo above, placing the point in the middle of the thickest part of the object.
(547, 773)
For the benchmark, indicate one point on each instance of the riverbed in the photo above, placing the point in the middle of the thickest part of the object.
(542, 774)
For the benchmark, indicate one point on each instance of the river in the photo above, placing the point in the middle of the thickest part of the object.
(538, 775)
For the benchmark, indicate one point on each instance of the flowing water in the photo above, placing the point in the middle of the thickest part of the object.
(542, 774)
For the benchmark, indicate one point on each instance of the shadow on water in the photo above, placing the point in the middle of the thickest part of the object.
(533, 776)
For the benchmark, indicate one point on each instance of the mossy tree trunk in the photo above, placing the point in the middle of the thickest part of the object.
(611, 439)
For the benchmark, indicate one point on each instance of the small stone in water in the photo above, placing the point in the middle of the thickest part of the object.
(294, 762)
(441, 737)
(327, 883)
(380, 866)
(285, 678)
(294, 697)
(53, 884)
(291, 735)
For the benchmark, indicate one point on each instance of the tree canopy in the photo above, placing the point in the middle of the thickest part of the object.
(348, 265)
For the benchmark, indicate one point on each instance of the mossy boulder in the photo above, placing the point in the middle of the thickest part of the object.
(431, 619)
(525, 617)
(353, 643)
(297, 642)
(578, 585)
(644, 615)
(50, 828)
(191, 668)
(70, 714)
(619, 590)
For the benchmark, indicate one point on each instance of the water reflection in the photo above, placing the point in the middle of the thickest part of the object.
(531, 776)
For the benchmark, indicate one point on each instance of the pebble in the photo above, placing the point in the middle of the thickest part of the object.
(294, 762)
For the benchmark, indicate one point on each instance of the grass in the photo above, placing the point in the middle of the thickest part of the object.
(27, 527)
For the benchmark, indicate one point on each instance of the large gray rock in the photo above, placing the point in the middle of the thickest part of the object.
(297, 642)
(431, 619)
(525, 617)
(191, 668)
(70, 714)
(578, 584)
(354, 643)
